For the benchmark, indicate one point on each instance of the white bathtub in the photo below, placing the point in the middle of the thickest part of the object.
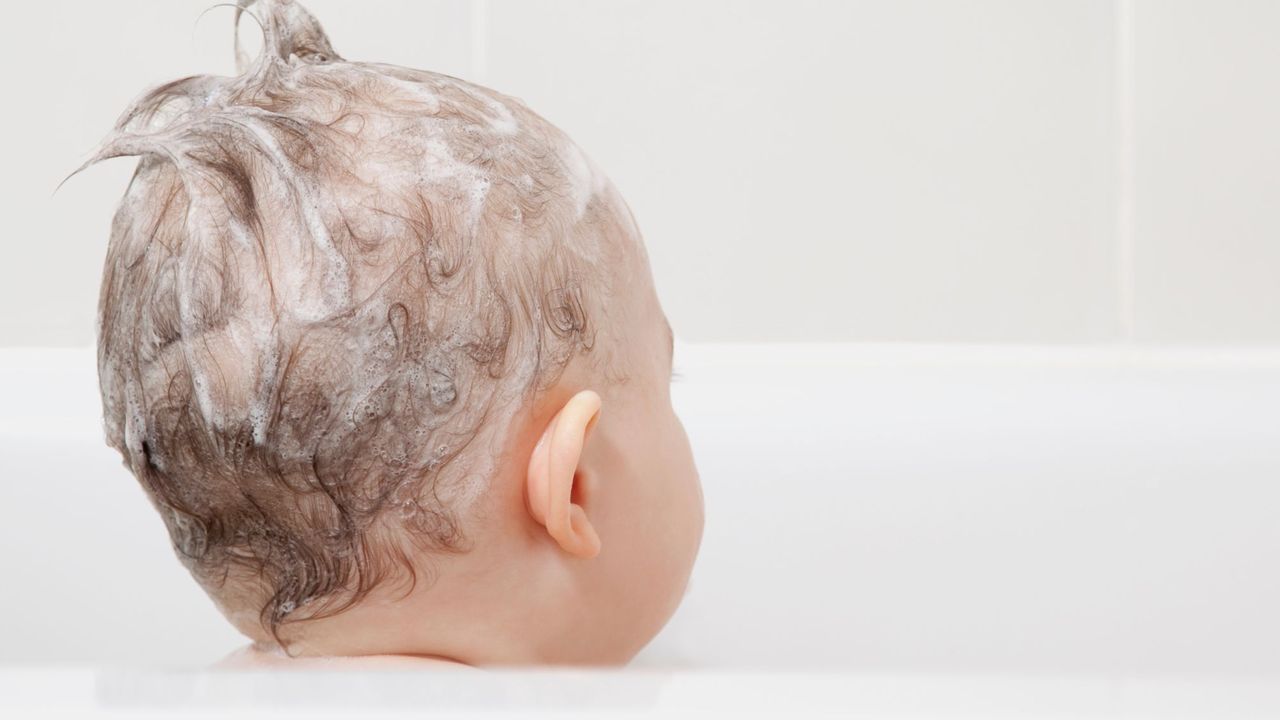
(970, 522)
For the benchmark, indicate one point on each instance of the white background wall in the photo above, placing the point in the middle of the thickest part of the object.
(1052, 171)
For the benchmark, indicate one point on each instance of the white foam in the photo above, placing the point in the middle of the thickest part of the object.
(442, 167)
(585, 179)
(502, 121)
(334, 286)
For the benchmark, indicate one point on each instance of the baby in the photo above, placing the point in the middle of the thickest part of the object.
(383, 349)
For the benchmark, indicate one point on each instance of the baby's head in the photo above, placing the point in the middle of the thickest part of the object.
(384, 350)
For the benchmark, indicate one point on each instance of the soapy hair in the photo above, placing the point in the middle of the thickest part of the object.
(330, 287)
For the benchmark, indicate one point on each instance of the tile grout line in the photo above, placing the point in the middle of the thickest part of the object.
(1125, 234)
(479, 21)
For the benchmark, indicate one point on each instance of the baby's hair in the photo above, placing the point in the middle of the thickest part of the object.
(330, 288)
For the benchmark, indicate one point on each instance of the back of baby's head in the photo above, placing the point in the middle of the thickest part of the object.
(329, 288)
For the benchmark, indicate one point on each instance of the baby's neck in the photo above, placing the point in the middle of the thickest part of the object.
(251, 657)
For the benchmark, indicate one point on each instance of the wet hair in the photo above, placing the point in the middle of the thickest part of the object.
(330, 287)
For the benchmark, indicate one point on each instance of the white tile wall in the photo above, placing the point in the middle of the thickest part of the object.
(860, 170)
(1024, 171)
(1207, 171)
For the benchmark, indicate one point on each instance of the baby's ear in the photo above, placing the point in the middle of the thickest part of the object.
(554, 473)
